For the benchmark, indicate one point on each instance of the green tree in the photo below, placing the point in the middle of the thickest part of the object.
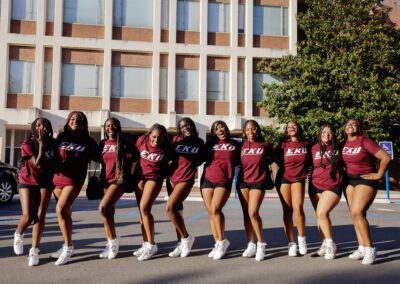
(347, 67)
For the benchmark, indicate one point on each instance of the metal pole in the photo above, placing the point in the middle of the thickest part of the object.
(387, 185)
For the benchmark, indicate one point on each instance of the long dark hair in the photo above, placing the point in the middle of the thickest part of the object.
(163, 132)
(34, 135)
(120, 147)
(300, 136)
(189, 121)
(360, 128)
(259, 137)
(213, 135)
(334, 150)
(83, 122)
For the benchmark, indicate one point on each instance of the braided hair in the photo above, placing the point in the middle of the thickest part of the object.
(334, 150)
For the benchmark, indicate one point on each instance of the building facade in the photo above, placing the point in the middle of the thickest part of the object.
(140, 61)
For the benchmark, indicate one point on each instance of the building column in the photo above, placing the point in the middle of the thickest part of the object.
(4, 50)
(41, 17)
(157, 22)
(108, 20)
(203, 84)
(249, 23)
(39, 76)
(234, 23)
(233, 77)
(107, 75)
(56, 78)
(155, 82)
(171, 81)
(203, 23)
(58, 18)
(292, 12)
(173, 4)
(248, 87)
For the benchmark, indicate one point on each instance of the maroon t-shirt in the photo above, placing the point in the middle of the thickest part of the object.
(31, 175)
(321, 177)
(153, 161)
(358, 155)
(295, 160)
(188, 153)
(108, 154)
(255, 159)
(75, 153)
(222, 157)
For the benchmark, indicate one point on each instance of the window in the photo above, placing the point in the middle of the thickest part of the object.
(133, 13)
(217, 85)
(81, 80)
(258, 80)
(24, 10)
(187, 84)
(188, 15)
(164, 14)
(84, 12)
(270, 20)
(21, 77)
(240, 86)
(13, 145)
(48, 66)
(50, 10)
(218, 17)
(163, 83)
(242, 19)
(131, 82)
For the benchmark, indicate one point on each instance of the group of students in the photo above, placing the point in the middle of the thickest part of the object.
(60, 166)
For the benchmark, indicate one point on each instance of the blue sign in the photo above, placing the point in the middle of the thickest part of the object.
(388, 147)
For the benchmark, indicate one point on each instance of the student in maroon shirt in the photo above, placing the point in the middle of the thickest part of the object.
(39, 155)
(155, 154)
(359, 155)
(293, 158)
(222, 155)
(188, 148)
(254, 179)
(327, 185)
(118, 161)
(76, 149)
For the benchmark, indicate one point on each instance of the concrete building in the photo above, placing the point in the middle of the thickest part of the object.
(140, 61)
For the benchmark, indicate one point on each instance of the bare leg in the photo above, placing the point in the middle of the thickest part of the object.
(38, 227)
(255, 200)
(327, 202)
(150, 193)
(107, 209)
(297, 190)
(220, 197)
(207, 194)
(244, 201)
(27, 206)
(285, 196)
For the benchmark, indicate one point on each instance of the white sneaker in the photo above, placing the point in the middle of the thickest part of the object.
(358, 254)
(260, 251)
(222, 247)
(302, 245)
(65, 255)
(187, 245)
(33, 258)
(105, 252)
(212, 252)
(369, 256)
(139, 251)
(149, 251)
(330, 250)
(177, 251)
(251, 250)
(321, 251)
(113, 249)
(18, 243)
(57, 254)
(292, 249)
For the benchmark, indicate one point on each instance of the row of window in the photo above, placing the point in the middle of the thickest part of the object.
(267, 20)
(130, 82)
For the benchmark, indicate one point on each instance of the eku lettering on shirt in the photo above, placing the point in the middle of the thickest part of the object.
(327, 154)
(223, 147)
(109, 148)
(48, 155)
(296, 151)
(152, 157)
(186, 149)
(252, 151)
(71, 147)
(351, 151)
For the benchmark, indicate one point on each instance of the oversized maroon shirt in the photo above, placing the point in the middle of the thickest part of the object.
(255, 159)
(222, 157)
(75, 153)
(294, 158)
(188, 153)
(321, 177)
(108, 153)
(30, 175)
(153, 161)
(358, 155)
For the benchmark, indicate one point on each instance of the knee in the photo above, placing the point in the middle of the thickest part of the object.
(103, 210)
(253, 214)
(27, 218)
(287, 211)
(62, 211)
(322, 215)
(298, 208)
(215, 210)
(144, 210)
(357, 214)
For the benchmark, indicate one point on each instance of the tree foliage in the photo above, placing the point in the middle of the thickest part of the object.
(347, 67)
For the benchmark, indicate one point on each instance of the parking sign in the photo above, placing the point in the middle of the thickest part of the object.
(388, 147)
